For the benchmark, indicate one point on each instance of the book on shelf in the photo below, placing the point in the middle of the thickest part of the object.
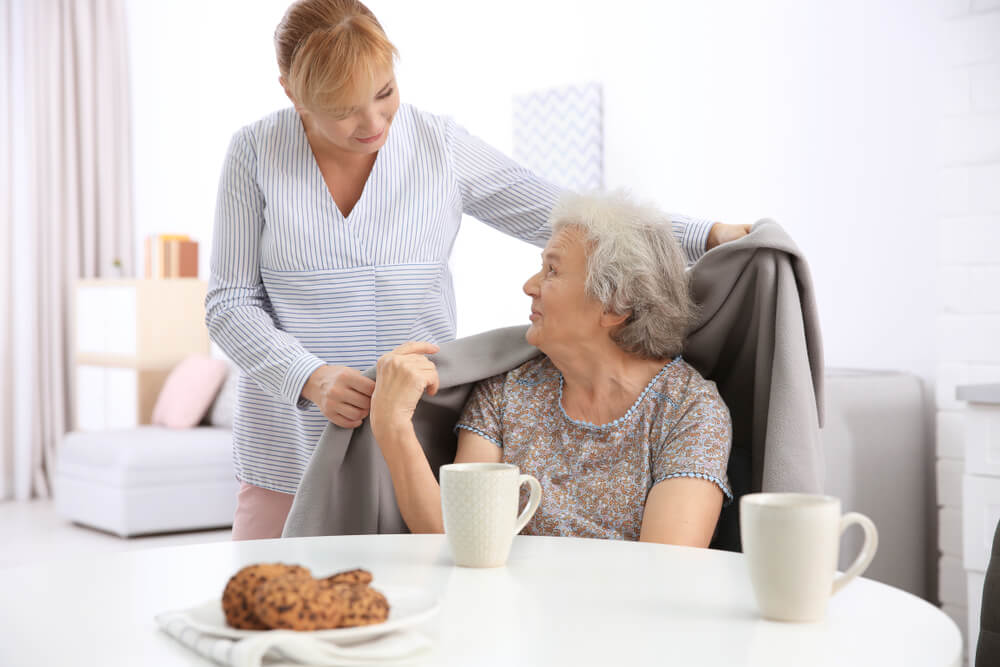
(171, 256)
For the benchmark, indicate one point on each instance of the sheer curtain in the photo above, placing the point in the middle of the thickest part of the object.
(65, 178)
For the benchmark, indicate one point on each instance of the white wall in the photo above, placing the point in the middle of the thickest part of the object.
(968, 315)
(820, 115)
(196, 79)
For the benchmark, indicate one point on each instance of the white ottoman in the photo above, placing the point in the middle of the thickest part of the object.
(148, 479)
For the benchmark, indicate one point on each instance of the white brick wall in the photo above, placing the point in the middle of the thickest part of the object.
(952, 582)
(957, 91)
(949, 482)
(969, 239)
(952, 8)
(969, 337)
(971, 39)
(950, 436)
(969, 188)
(968, 325)
(952, 374)
(984, 83)
(984, 195)
(971, 138)
(983, 5)
(950, 532)
(965, 289)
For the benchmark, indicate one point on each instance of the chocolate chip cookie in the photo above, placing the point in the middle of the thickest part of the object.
(238, 596)
(357, 576)
(360, 604)
(291, 602)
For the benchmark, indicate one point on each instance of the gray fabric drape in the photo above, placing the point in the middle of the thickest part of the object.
(757, 337)
(68, 195)
(347, 489)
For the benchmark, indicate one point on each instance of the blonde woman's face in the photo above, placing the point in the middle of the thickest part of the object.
(363, 128)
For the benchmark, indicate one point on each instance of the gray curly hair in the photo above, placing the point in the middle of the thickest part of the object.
(634, 267)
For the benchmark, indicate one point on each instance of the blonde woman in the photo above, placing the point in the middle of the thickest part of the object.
(334, 223)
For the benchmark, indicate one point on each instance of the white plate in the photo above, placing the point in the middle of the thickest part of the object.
(407, 606)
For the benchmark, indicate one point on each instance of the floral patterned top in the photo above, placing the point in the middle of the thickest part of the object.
(595, 478)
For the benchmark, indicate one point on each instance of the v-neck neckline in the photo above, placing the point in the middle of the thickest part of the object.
(318, 172)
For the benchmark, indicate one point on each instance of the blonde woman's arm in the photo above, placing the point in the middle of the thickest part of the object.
(516, 201)
(238, 311)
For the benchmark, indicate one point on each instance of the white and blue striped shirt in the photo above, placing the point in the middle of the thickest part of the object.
(296, 285)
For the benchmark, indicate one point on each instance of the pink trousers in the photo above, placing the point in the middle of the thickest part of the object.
(260, 513)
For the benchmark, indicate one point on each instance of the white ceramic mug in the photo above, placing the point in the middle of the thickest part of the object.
(791, 542)
(479, 506)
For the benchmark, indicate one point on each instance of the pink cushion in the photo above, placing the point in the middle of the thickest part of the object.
(189, 391)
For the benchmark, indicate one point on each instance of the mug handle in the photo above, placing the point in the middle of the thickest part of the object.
(533, 500)
(864, 558)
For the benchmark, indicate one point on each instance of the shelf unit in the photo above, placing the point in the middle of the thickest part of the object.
(129, 335)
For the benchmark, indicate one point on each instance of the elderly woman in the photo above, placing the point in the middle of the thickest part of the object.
(627, 440)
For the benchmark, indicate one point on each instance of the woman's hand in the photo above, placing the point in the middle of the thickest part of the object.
(403, 376)
(342, 394)
(722, 233)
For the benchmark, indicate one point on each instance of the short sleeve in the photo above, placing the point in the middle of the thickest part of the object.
(483, 411)
(698, 445)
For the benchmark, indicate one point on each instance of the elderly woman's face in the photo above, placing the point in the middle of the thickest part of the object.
(562, 315)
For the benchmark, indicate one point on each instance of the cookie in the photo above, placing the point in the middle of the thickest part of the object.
(292, 602)
(238, 596)
(357, 576)
(360, 604)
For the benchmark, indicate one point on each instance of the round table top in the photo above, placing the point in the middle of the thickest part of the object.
(558, 601)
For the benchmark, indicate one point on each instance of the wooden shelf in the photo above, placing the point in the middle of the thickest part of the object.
(120, 361)
(129, 335)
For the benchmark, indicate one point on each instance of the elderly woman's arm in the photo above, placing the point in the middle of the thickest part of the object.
(403, 376)
(690, 481)
(681, 511)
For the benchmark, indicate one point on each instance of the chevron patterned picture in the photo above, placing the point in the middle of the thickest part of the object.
(559, 134)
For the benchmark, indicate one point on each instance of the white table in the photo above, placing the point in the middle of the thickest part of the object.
(559, 601)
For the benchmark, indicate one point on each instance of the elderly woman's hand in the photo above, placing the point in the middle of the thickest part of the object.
(723, 233)
(402, 377)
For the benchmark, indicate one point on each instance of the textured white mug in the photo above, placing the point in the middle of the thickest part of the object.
(479, 506)
(791, 542)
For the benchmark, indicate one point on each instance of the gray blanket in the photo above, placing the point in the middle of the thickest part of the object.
(757, 337)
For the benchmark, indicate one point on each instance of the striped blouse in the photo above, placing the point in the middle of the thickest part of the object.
(295, 285)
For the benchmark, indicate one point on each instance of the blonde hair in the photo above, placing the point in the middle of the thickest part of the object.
(329, 52)
(634, 267)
